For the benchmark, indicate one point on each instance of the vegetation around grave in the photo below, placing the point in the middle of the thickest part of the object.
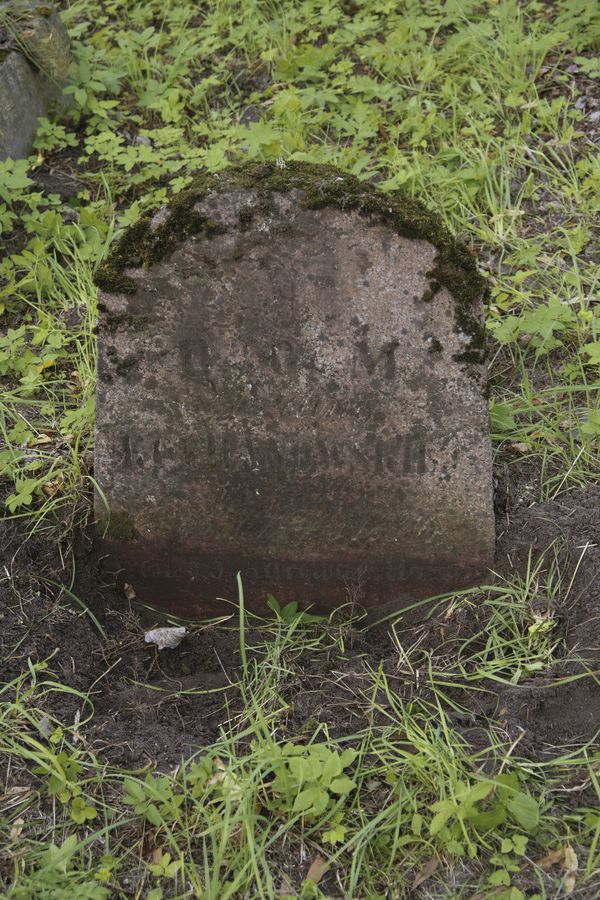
(409, 777)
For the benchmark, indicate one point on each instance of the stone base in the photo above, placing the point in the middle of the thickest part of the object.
(196, 586)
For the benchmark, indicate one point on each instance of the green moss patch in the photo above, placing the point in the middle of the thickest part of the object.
(455, 268)
(118, 526)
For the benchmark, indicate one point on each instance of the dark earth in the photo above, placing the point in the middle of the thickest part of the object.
(140, 719)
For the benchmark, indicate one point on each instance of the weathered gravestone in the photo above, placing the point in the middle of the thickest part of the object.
(291, 384)
(34, 60)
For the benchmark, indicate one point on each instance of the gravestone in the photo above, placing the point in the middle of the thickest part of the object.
(34, 61)
(291, 384)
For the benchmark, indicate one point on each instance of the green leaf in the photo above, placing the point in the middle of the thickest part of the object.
(134, 792)
(499, 877)
(155, 894)
(502, 418)
(525, 810)
(273, 604)
(342, 785)
(305, 769)
(306, 799)
(520, 842)
(332, 767)
(444, 809)
(153, 815)
(491, 818)
(347, 757)
(289, 610)
(591, 426)
(478, 792)
(593, 352)
(335, 835)
(60, 857)
(81, 811)
(508, 331)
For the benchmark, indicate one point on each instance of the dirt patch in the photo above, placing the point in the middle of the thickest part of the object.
(570, 525)
(152, 707)
(554, 710)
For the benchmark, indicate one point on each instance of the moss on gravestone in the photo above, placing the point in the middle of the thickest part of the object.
(155, 236)
(118, 526)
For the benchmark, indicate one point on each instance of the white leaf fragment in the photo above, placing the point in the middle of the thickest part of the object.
(165, 637)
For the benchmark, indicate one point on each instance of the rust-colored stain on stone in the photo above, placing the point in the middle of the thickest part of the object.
(284, 397)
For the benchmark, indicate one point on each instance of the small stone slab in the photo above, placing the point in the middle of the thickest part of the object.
(33, 72)
(291, 384)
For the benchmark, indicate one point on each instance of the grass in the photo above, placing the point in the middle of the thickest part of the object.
(470, 106)
(402, 800)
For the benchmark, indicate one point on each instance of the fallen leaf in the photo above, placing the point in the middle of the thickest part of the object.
(520, 447)
(552, 858)
(17, 828)
(286, 890)
(317, 869)
(156, 855)
(165, 637)
(45, 364)
(130, 594)
(426, 871)
(219, 776)
(571, 864)
(50, 488)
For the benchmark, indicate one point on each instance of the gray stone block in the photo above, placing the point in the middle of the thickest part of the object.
(33, 72)
(291, 384)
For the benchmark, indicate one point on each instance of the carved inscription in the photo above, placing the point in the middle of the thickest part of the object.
(272, 571)
(269, 403)
(383, 359)
(281, 454)
(199, 362)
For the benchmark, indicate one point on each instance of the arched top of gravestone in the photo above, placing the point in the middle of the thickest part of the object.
(158, 234)
(290, 385)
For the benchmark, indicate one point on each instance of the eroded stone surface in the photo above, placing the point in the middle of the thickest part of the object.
(283, 398)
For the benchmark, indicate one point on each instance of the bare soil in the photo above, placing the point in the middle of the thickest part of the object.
(152, 707)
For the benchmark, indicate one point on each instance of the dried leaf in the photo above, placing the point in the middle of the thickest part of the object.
(286, 890)
(571, 861)
(17, 828)
(165, 637)
(571, 864)
(45, 726)
(552, 858)
(220, 773)
(520, 447)
(129, 593)
(426, 871)
(50, 488)
(317, 869)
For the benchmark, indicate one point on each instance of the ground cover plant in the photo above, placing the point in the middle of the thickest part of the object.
(447, 752)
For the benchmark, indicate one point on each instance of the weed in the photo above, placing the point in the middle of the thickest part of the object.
(467, 107)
